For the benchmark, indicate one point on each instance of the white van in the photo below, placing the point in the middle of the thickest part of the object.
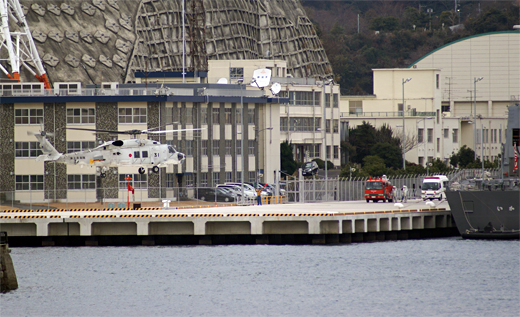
(434, 187)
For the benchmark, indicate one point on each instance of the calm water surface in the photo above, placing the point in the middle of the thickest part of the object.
(438, 277)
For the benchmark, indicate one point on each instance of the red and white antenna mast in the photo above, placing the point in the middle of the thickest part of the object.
(19, 43)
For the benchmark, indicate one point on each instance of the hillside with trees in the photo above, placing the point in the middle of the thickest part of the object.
(361, 35)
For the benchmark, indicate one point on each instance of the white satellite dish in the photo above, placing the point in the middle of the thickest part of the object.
(222, 80)
(261, 78)
(275, 88)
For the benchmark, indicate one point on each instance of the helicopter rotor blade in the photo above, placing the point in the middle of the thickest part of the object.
(170, 131)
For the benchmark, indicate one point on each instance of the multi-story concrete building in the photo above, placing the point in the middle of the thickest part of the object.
(234, 139)
(457, 95)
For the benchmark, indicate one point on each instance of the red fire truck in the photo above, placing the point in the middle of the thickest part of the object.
(377, 189)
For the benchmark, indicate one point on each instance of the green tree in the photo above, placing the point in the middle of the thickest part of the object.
(449, 18)
(490, 21)
(287, 163)
(373, 166)
(384, 24)
(414, 169)
(390, 153)
(413, 16)
(464, 158)
(438, 167)
(362, 139)
(345, 170)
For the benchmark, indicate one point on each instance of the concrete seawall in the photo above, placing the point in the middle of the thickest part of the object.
(291, 223)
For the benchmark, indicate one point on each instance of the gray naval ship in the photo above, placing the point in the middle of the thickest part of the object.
(488, 206)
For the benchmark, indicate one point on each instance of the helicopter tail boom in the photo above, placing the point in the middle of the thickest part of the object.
(49, 152)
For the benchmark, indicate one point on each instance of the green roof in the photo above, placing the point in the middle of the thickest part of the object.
(460, 40)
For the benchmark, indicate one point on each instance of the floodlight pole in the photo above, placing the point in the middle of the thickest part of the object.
(404, 151)
(475, 80)
(240, 82)
(183, 44)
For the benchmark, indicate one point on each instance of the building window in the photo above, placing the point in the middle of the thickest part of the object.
(446, 133)
(251, 147)
(327, 127)
(438, 144)
(227, 115)
(189, 115)
(171, 180)
(335, 103)
(251, 116)
(216, 178)
(28, 116)
(336, 152)
(216, 115)
(228, 177)
(252, 177)
(204, 115)
(336, 126)
(29, 182)
(316, 151)
(236, 73)
(239, 147)
(27, 149)
(81, 115)
(420, 135)
(215, 147)
(327, 100)
(228, 147)
(445, 107)
(455, 136)
(437, 81)
(430, 135)
(304, 98)
(132, 115)
(189, 147)
(85, 181)
(189, 180)
(239, 176)
(77, 146)
(355, 107)
(137, 181)
(205, 147)
(203, 179)
(421, 160)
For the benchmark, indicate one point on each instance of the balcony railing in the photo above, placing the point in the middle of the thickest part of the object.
(388, 114)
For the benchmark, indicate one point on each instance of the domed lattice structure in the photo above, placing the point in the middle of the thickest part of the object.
(109, 40)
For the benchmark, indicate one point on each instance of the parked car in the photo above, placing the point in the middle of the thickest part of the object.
(310, 168)
(272, 187)
(233, 189)
(214, 194)
(249, 190)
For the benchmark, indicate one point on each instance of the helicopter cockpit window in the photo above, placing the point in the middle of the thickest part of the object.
(145, 154)
(136, 154)
(171, 149)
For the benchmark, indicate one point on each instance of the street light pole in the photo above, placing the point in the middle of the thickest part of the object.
(404, 151)
(240, 82)
(325, 132)
(475, 80)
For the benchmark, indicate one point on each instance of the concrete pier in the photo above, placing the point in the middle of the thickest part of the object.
(8, 281)
(318, 223)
